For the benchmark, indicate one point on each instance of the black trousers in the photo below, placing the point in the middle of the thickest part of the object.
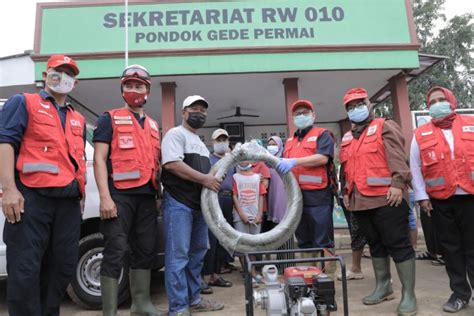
(454, 222)
(133, 230)
(432, 241)
(216, 256)
(42, 252)
(386, 230)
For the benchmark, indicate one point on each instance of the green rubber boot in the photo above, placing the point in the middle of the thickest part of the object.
(383, 286)
(140, 291)
(406, 273)
(109, 289)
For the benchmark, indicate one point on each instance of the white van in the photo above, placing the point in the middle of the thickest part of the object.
(85, 286)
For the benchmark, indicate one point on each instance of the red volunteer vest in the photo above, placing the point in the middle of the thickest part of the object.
(364, 161)
(309, 178)
(46, 149)
(442, 173)
(135, 151)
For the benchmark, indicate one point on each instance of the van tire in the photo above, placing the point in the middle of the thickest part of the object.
(84, 289)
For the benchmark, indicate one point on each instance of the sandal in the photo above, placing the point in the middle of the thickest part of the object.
(225, 271)
(425, 256)
(206, 306)
(230, 266)
(220, 282)
(438, 261)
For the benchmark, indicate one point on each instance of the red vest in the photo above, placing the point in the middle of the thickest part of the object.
(135, 151)
(442, 173)
(364, 161)
(46, 149)
(309, 178)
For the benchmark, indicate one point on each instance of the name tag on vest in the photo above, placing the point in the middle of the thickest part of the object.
(123, 122)
(372, 130)
(116, 117)
(426, 133)
(468, 129)
(313, 139)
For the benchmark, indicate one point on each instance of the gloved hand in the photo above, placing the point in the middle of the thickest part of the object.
(285, 165)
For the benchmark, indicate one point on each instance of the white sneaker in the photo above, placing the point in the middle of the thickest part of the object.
(351, 275)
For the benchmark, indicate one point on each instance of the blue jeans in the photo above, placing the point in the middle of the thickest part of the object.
(186, 245)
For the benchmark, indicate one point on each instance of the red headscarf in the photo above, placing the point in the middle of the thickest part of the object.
(445, 122)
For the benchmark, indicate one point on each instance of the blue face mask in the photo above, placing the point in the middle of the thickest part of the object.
(358, 115)
(440, 110)
(303, 121)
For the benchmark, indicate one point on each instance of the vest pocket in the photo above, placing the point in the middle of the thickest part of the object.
(44, 126)
(41, 159)
(434, 179)
(125, 169)
(77, 130)
(125, 137)
(378, 177)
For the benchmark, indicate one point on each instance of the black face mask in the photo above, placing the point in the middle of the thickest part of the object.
(196, 120)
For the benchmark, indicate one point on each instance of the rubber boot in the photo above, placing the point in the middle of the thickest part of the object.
(383, 286)
(109, 289)
(406, 273)
(140, 291)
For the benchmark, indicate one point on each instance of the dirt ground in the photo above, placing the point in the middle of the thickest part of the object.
(432, 290)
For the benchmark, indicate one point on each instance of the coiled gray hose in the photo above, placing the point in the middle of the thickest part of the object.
(233, 240)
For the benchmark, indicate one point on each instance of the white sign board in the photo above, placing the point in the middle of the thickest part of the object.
(422, 117)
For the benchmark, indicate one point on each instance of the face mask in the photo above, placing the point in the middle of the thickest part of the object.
(221, 147)
(60, 82)
(358, 115)
(196, 120)
(440, 110)
(272, 149)
(244, 168)
(303, 121)
(135, 99)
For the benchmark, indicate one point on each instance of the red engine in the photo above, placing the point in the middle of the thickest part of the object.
(306, 272)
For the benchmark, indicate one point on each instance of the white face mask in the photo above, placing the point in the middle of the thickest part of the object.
(221, 147)
(272, 149)
(60, 82)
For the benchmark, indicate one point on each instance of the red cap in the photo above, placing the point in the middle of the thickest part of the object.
(302, 103)
(60, 60)
(355, 94)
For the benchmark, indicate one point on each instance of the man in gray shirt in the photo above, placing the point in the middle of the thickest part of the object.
(186, 164)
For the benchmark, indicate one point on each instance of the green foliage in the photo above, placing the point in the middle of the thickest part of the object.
(454, 41)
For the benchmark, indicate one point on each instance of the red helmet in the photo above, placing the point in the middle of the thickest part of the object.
(136, 72)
